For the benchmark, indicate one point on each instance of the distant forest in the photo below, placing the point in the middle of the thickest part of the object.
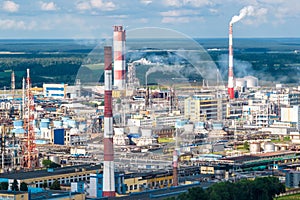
(58, 61)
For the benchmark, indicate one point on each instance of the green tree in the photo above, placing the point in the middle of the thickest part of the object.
(55, 185)
(196, 193)
(23, 186)
(47, 163)
(260, 189)
(246, 145)
(4, 186)
(15, 185)
(50, 164)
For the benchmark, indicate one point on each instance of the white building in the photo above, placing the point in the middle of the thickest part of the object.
(291, 114)
(57, 91)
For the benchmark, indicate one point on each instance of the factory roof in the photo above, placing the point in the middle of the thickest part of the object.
(276, 153)
(43, 173)
(253, 157)
(147, 174)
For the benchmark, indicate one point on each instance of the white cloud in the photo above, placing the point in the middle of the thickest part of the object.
(213, 11)
(146, 2)
(96, 4)
(198, 3)
(10, 6)
(7, 24)
(172, 20)
(103, 5)
(83, 6)
(177, 13)
(118, 16)
(180, 20)
(143, 20)
(193, 3)
(48, 6)
(174, 3)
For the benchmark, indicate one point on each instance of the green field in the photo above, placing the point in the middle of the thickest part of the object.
(99, 66)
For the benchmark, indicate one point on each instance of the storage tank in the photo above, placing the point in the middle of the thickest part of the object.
(146, 133)
(2, 105)
(255, 147)
(251, 81)
(8, 105)
(269, 147)
(240, 82)
(134, 129)
(119, 131)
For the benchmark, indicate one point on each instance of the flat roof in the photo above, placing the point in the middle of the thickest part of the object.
(259, 156)
(23, 175)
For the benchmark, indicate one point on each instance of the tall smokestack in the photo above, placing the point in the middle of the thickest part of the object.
(119, 57)
(230, 66)
(13, 86)
(246, 11)
(175, 167)
(109, 169)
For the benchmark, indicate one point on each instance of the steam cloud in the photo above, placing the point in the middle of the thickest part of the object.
(246, 11)
(164, 69)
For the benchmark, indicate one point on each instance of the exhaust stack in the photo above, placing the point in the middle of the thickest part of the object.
(230, 66)
(119, 57)
(109, 168)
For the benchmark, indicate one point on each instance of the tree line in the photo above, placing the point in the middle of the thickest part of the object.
(265, 188)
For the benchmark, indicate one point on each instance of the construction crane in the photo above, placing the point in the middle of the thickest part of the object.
(30, 154)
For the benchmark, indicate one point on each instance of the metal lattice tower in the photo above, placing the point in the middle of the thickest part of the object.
(30, 154)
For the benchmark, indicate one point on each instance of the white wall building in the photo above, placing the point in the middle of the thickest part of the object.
(57, 91)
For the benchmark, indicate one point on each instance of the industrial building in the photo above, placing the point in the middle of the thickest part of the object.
(292, 179)
(204, 107)
(54, 90)
(46, 177)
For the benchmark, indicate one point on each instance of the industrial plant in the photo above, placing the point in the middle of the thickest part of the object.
(128, 140)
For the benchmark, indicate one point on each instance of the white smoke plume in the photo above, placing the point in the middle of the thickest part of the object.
(246, 11)
(164, 69)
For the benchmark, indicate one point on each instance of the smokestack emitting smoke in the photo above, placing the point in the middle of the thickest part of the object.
(119, 57)
(230, 66)
(246, 11)
(109, 169)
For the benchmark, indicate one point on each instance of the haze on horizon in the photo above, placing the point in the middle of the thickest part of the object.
(93, 19)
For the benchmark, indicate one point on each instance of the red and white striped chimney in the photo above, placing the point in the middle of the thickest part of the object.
(119, 57)
(230, 66)
(109, 169)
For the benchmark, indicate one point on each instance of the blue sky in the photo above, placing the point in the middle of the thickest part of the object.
(93, 19)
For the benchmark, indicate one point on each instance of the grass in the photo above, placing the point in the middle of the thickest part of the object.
(285, 139)
(165, 140)
(95, 66)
